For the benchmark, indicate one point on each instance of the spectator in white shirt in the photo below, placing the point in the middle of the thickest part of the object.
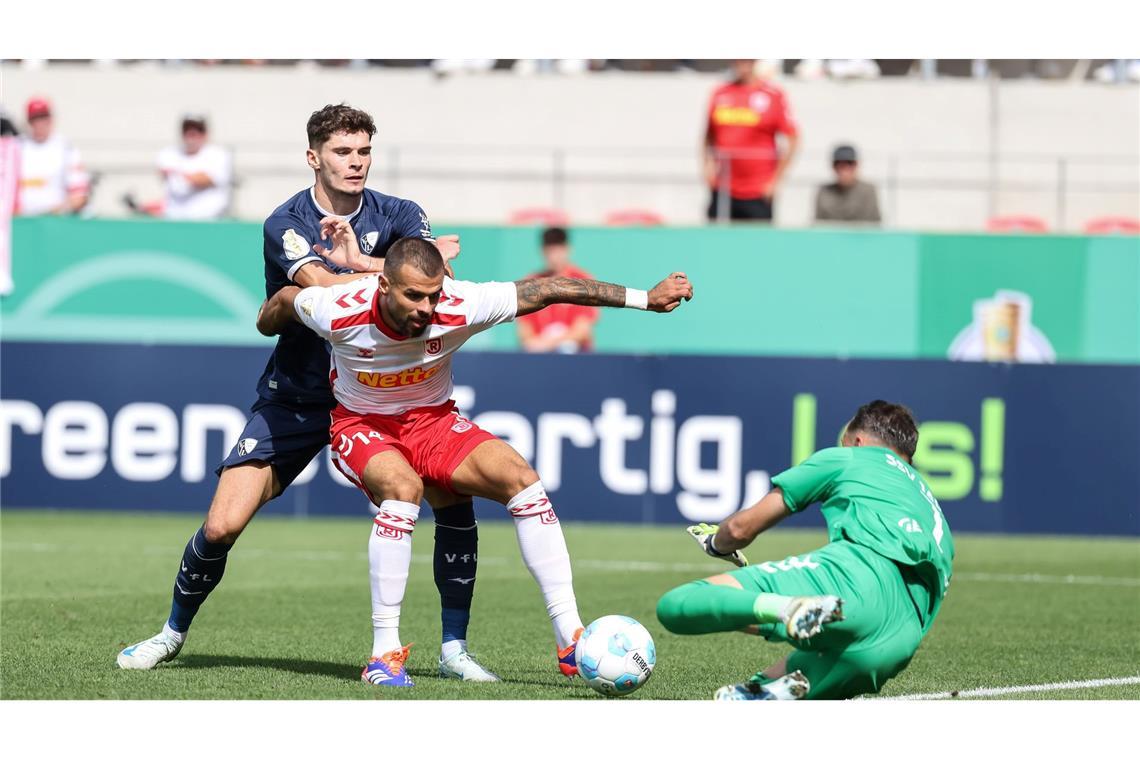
(197, 175)
(52, 177)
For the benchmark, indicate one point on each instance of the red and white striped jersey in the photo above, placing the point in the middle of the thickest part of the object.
(376, 371)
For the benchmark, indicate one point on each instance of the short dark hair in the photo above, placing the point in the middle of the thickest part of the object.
(194, 121)
(555, 236)
(331, 119)
(415, 252)
(893, 424)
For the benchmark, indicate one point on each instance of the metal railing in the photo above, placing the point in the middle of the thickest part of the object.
(553, 171)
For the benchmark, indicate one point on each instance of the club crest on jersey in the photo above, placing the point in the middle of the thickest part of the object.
(433, 346)
(462, 426)
(759, 101)
(368, 241)
(295, 246)
(365, 352)
(246, 446)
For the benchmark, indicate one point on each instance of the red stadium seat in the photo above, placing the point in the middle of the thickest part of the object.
(632, 217)
(1109, 225)
(551, 217)
(1016, 224)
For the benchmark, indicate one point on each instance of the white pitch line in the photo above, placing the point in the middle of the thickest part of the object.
(607, 565)
(1094, 683)
(1081, 580)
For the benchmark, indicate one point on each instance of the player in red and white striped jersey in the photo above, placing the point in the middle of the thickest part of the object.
(377, 369)
(395, 428)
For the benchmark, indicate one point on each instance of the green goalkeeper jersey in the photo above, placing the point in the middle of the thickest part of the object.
(872, 498)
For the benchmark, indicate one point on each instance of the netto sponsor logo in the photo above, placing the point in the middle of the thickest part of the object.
(400, 379)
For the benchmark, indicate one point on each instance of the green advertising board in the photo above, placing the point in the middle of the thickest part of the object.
(760, 291)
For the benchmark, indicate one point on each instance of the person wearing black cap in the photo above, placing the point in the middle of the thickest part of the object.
(196, 174)
(848, 198)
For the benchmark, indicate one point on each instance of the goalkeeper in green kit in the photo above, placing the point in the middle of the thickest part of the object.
(856, 609)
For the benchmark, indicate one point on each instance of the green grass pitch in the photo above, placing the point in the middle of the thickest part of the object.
(291, 619)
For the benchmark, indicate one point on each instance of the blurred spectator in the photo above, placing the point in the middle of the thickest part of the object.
(1118, 71)
(564, 327)
(852, 68)
(529, 66)
(52, 177)
(740, 153)
(9, 189)
(848, 198)
(444, 66)
(7, 126)
(197, 175)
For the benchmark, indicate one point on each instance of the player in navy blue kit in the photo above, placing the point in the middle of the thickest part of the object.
(289, 422)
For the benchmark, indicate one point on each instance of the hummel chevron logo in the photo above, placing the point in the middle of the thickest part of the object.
(357, 296)
(463, 581)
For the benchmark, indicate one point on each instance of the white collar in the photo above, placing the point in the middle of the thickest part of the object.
(324, 212)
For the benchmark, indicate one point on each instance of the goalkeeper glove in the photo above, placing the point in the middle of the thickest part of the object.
(703, 535)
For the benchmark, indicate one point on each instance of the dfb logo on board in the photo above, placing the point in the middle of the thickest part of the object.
(368, 241)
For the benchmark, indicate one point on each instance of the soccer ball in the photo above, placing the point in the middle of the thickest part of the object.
(615, 655)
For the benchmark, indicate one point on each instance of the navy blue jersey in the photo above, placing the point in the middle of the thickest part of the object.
(298, 370)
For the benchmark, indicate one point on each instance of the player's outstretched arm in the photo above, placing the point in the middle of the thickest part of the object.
(278, 311)
(540, 292)
(739, 530)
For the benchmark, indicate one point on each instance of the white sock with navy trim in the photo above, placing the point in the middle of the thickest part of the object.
(389, 558)
(544, 552)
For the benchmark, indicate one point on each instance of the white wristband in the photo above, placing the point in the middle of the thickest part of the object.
(636, 299)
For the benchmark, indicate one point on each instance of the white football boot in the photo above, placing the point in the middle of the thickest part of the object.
(463, 666)
(146, 655)
(792, 686)
(805, 616)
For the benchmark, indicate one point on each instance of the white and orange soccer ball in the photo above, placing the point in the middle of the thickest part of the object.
(615, 655)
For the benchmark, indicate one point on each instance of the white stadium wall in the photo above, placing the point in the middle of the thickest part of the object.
(471, 148)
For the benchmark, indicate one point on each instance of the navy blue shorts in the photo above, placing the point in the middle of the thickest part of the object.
(287, 437)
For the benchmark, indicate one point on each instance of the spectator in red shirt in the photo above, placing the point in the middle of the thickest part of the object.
(740, 145)
(565, 328)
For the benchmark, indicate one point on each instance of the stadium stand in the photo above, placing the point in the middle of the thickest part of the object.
(1109, 225)
(551, 217)
(1016, 224)
(972, 147)
(633, 217)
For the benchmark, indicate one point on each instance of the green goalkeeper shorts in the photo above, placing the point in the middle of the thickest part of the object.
(880, 631)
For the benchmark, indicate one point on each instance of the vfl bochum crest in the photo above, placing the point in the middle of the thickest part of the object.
(368, 241)
(296, 247)
(246, 445)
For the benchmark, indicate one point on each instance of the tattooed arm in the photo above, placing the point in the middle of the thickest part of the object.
(540, 292)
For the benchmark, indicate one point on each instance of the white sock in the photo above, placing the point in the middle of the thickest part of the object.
(544, 553)
(389, 557)
(452, 647)
(179, 636)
